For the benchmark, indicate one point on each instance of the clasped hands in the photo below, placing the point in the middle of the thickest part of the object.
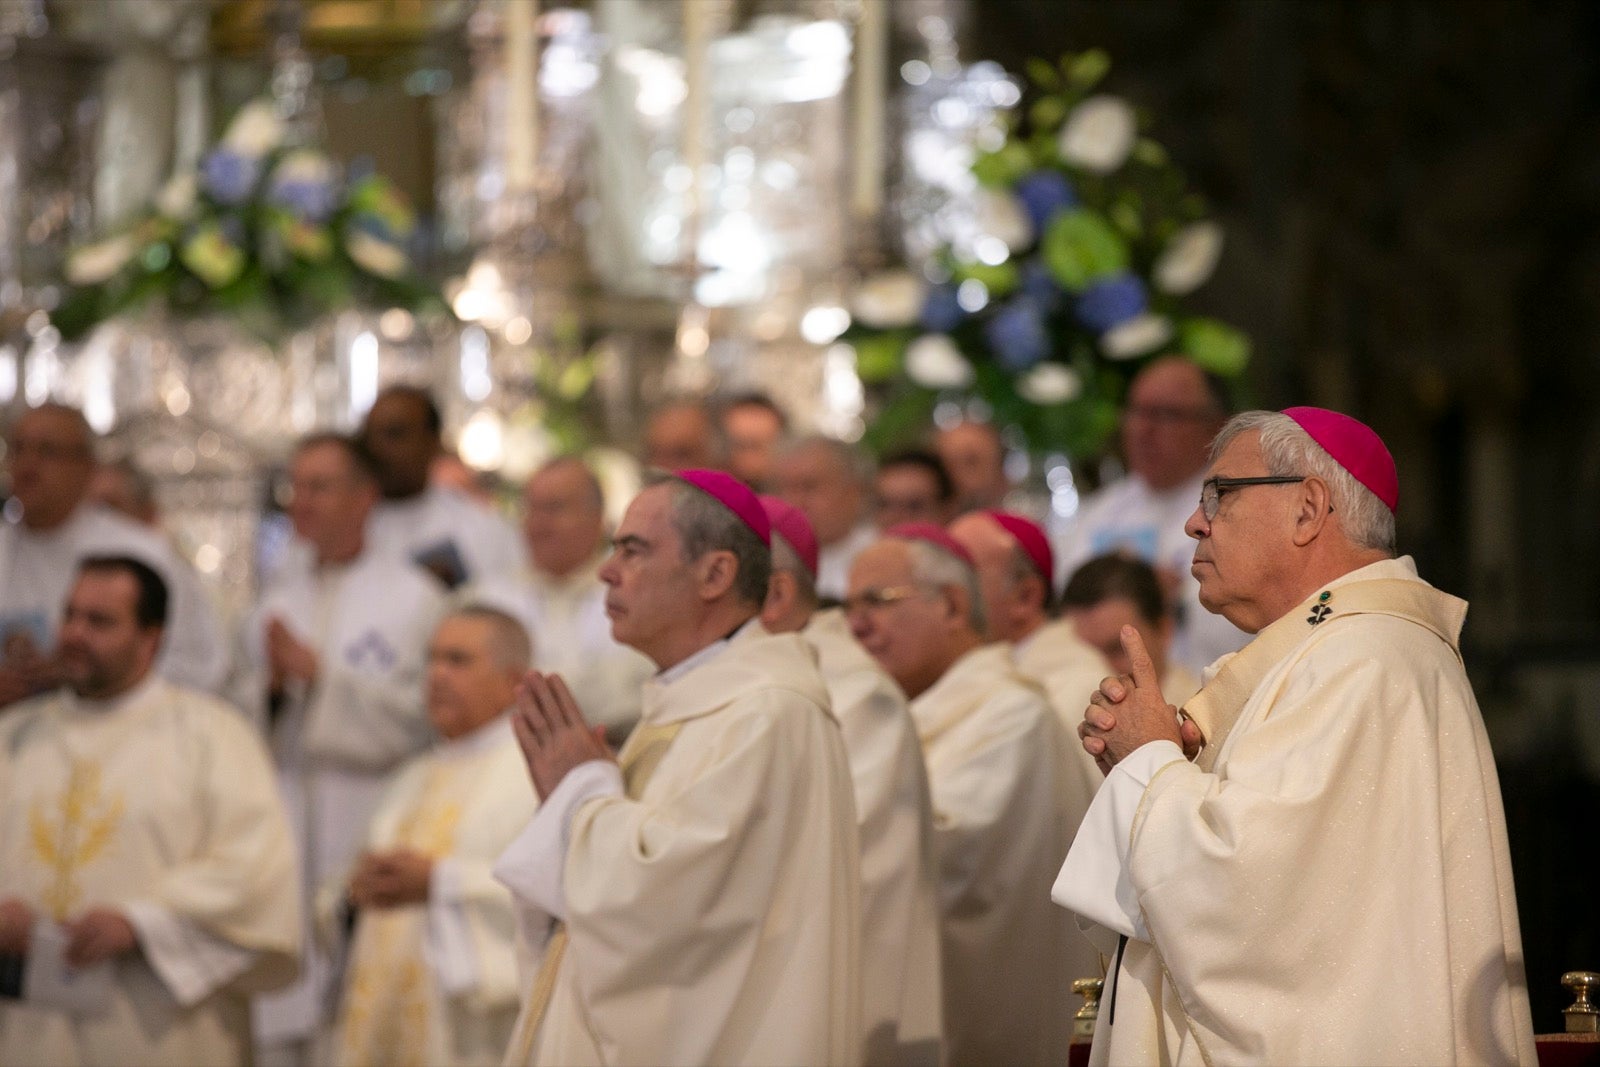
(95, 935)
(390, 879)
(552, 733)
(1129, 711)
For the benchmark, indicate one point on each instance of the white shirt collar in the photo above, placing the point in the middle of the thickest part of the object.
(704, 656)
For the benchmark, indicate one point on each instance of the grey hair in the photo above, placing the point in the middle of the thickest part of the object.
(855, 462)
(705, 525)
(931, 565)
(787, 560)
(1289, 450)
(509, 642)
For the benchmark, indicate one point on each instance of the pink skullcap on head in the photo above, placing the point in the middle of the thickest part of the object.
(934, 535)
(1029, 535)
(1355, 447)
(791, 523)
(734, 495)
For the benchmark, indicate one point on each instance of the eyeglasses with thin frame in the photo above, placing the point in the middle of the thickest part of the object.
(873, 599)
(1211, 489)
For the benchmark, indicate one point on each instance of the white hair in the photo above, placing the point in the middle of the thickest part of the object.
(932, 565)
(1288, 450)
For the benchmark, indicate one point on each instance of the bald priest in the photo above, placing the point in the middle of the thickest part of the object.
(696, 899)
(1327, 881)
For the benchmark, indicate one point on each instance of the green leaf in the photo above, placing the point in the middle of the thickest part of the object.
(1215, 346)
(878, 356)
(1047, 113)
(1042, 74)
(1080, 247)
(1085, 70)
(1000, 278)
(1003, 167)
(1151, 153)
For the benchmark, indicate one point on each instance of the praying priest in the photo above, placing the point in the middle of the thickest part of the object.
(997, 760)
(695, 899)
(1326, 879)
(901, 1006)
(147, 877)
(431, 976)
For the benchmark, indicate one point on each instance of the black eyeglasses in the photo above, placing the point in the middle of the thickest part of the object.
(1211, 489)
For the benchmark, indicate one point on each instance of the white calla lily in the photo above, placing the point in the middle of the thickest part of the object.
(93, 264)
(255, 130)
(1000, 214)
(376, 256)
(1099, 134)
(889, 300)
(1189, 258)
(934, 362)
(1050, 383)
(1137, 336)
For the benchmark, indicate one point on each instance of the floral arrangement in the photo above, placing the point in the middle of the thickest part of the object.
(1085, 246)
(266, 231)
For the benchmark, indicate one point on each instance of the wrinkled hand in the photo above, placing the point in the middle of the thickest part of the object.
(288, 657)
(16, 927)
(98, 934)
(391, 879)
(1129, 711)
(552, 732)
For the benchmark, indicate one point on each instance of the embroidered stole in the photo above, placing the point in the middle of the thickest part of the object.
(640, 756)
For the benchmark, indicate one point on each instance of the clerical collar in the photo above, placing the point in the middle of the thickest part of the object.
(111, 705)
(705, 655)
(490, 735)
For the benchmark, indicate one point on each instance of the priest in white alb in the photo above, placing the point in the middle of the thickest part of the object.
(336, 654)
(696, 898)
(561, 600)
(902, 993)
(1309, 867)
(147, 876)
(998, 763)
(431, 975)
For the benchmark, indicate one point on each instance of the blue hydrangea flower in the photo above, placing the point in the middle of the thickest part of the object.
(228, 176)
(1110, 302)
(1043, 193)
(941, 312)
(312, 201)
(1040, 285)
(1017, 333)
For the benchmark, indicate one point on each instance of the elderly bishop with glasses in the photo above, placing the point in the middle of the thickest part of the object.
(1308, 864)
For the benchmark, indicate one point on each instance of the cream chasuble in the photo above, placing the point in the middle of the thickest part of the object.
(901, 985)
(713, 911)
(1329, 883)
(998, 768)
(1069, 670)
(435, 985)
(160, 804)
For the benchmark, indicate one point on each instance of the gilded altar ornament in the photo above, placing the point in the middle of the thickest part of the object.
(85, 821)
(1582, 1017)
(1083, 1022)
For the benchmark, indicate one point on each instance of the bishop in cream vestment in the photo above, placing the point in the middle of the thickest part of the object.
(159, 803)
(900, 954)
(1329, 883)
(435, 984)
(712, 909)
(998, 768)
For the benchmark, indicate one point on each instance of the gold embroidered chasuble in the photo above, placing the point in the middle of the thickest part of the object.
(1329, 882)
(462, 803)
(713, 911)
(164, 799)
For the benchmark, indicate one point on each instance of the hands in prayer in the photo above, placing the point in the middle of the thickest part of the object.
(98, 934)
(16, 927)
(552, 732)
(391, 879)
(289, 658)
(1129, 711)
